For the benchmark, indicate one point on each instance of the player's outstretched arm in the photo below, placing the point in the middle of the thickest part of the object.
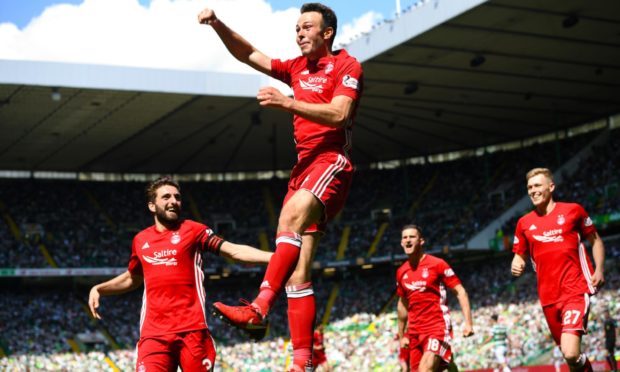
(463, 298)
(598, 253)
(244, 253)
(240, 48)
(518, 265)
(122, 283)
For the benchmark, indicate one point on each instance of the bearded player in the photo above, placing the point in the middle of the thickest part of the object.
(166, 257)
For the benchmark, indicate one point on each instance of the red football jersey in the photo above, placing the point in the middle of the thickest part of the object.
(319, 82)
(424, 289)
(554, 244)
(171, 264)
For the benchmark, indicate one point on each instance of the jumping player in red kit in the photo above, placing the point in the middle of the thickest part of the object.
(551, 235)
(424, 324)
(327, 86)
(166, 257)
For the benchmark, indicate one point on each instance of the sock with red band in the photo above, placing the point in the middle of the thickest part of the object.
(301, 314)
(280, 268)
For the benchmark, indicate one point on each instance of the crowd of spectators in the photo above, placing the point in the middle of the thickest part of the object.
(35, 328)
(90, 224)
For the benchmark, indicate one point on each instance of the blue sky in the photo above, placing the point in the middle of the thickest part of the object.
(165, 33)
(20, 12)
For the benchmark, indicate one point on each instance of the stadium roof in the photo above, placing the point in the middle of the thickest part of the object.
(441, 77)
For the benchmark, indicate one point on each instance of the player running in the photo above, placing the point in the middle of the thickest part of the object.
(551, 235)
(425, 327)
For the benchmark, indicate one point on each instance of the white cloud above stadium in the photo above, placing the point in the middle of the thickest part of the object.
(165, 34)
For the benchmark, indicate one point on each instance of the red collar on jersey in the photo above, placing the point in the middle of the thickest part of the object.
(324, 61)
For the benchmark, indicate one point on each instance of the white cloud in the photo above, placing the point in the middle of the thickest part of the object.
(349, 32)
(166, 34)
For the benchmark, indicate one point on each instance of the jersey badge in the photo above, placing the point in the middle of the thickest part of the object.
(350, 82)
(425, 272)
(146, 245)
(515, 240)
(176, 238)
(561, 220)
(448, 272)
(329, 68)
(532, 228)
(587, 221)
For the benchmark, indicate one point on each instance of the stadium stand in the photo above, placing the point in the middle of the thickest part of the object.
(94, 226)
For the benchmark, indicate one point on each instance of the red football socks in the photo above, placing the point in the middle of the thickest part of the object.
(280, 268)
(301, 314)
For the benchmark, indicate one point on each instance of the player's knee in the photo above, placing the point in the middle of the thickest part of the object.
(571, 358)
(290, 221)
(427, 364)
(570, 352)
(574, 358)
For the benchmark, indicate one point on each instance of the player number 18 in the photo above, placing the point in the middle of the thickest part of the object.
(433, 344)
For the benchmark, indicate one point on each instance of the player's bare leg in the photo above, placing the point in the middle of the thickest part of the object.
(430, 362)
(571, 349)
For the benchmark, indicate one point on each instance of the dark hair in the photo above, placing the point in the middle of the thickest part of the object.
(329, 17)
(413, 226)
(495, 317)
(151, 188)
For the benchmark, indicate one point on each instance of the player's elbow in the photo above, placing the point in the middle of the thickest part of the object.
(340, 119)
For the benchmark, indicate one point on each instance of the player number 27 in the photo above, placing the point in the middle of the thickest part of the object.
(571, 317)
